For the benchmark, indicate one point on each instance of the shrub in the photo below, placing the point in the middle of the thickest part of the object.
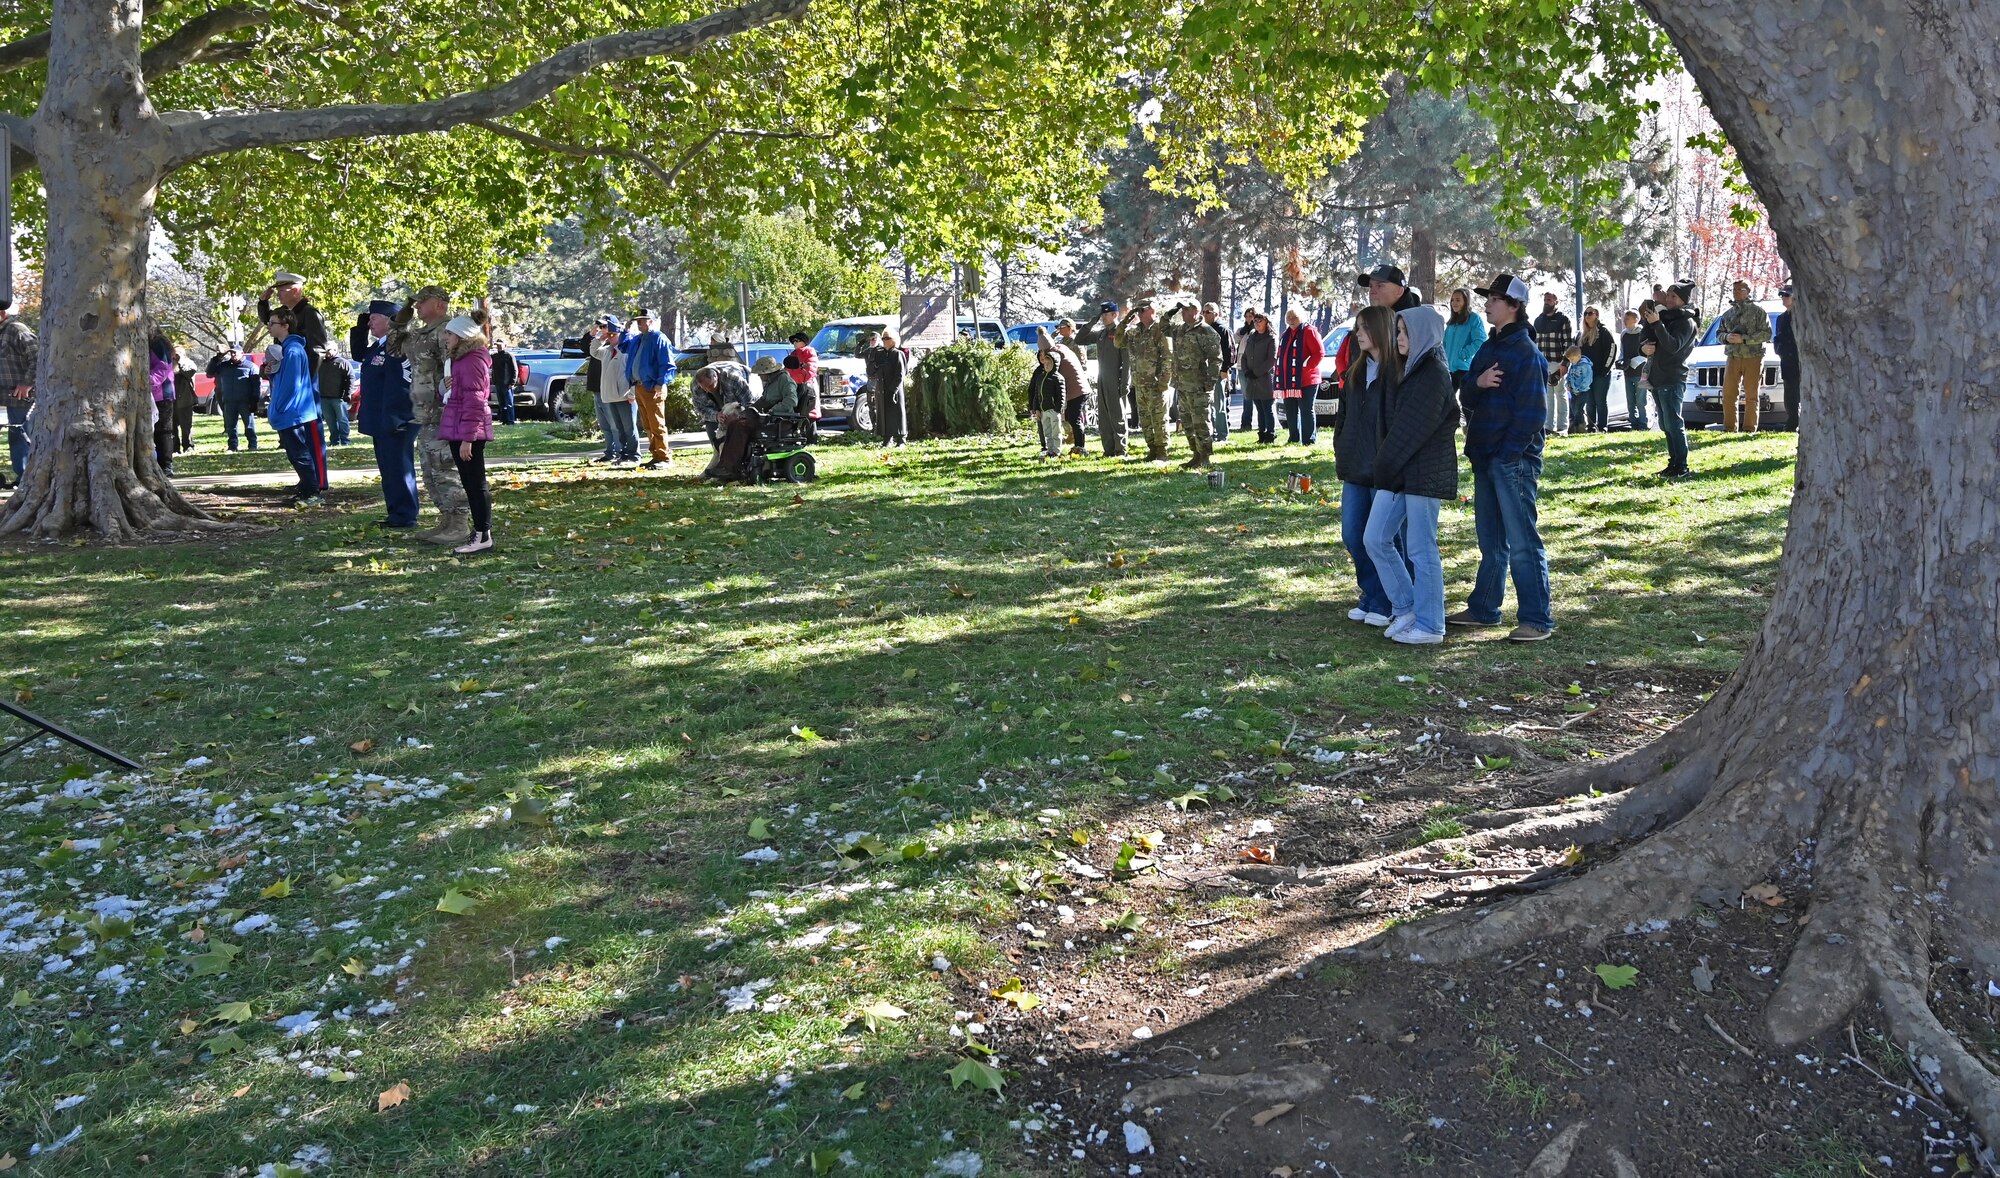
(968, 388)
(677, 405)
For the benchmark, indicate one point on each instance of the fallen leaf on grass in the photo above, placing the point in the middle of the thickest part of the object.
(240, 1093)
(876, 1015)
(1259, 854)
(760, 828)
(1617, 977)
(977, 1074)
(224, 1044)
(456, 903)
(362, 746)
(1129, 922)
(278, 890)
(853, 1091)
(1271, 1114)
(805, 734)
(391, 1097)
(235, 1012)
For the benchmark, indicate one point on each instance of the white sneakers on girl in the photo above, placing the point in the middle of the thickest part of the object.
(480, 542)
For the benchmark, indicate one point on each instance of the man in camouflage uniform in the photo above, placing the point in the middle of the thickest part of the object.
(1150, 352)
(1197, 368)
(420, 342)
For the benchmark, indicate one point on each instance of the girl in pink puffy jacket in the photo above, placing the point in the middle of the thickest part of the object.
(467, 422)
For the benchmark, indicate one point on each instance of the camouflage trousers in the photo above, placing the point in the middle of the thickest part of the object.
(441, 483)
(1197, 404)
(1155, 399)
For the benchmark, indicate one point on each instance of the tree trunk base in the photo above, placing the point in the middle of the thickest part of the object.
(1885, 900)
(86, 485)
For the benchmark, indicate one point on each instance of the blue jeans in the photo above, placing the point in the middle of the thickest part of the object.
(1301, 418)
(1635, 401)
(17, 445)
(333, 415)
(1399, 524)
(244, 411)
(1597, 407)
(622, 434)
(1667, 399)
(1222, 410)
(604, 427)
(506, 408)
(1356, 504)
(1267, 417)
(1504, 516)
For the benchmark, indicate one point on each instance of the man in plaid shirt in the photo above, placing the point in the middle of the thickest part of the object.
(1553, 336)
(17, 382)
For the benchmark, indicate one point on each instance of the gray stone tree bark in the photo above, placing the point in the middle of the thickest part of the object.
(1863, 729)
(102, 150)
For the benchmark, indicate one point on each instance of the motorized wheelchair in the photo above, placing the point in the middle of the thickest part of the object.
(777, 452)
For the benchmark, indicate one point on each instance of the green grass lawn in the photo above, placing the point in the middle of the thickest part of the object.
(478, 827)
(211, 453)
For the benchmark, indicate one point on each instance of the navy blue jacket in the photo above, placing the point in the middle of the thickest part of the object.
(235, 384)
(1504, 424)
(385, 391)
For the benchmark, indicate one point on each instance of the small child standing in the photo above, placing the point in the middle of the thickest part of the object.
(1579, 375)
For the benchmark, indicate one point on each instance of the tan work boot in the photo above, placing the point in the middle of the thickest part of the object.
(453, 529)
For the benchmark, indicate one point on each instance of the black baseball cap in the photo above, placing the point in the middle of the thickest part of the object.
(1383, 273)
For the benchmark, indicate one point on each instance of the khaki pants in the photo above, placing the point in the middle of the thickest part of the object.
(1742, 375)
(652, 419)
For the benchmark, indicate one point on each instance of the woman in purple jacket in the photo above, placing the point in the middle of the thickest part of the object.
(160, 371)
(467, 422)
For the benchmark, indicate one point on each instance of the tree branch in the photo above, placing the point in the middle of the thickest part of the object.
(191, 42)
(29, 50)
(205, 135)
(708, 140)
(577, 150)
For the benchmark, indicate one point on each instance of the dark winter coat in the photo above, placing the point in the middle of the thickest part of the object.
(1416, 429)
(1228, 345)
(306, 323)
(1258, 361)
(1357, 433)
(1673, 338)
(1599, 353)
(1630, 358)
(1044, 391)
(1787, 346)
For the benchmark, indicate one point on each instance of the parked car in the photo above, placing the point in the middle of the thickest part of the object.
(1024, 333)
(1702, 400)
(1329, 398)
(990, 330)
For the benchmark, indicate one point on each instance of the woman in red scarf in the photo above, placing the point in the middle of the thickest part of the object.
(1297, 377)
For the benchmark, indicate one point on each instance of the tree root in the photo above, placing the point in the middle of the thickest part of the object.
(88, 484)
(1291, 1082)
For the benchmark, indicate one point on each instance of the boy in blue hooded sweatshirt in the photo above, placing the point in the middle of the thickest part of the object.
(294, 410)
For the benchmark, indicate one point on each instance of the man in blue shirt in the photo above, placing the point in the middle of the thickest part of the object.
(649, 367)
(1504, 418)
(387, 416)
(294, 411)
(237, 388)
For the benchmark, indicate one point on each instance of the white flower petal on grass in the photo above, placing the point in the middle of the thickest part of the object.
(963, 1164)
(760, 855)
(304, 1022)
(737, 999)
(250, 924)
(69, 1102)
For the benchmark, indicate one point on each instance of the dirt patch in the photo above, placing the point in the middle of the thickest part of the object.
(1256, 1048)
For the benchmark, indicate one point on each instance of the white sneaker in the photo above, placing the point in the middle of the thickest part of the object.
(1357, 614)
(1374, 620)
(1402, 623)
(1411, 636)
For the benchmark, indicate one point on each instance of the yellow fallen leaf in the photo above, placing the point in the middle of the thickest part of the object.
(240, 1093)
(362, 746)
(392, 1097)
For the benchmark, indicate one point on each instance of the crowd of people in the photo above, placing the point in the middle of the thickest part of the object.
(1405, 377)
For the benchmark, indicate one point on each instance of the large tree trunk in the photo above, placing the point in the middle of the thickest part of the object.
(101, 149)
(1424, 263)
(1859, 732)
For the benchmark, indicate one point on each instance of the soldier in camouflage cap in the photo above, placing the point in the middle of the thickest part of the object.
(1150, 352)
(1197, 368)
(417, 335)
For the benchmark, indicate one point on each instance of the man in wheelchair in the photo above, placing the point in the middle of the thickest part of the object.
(759, 438)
